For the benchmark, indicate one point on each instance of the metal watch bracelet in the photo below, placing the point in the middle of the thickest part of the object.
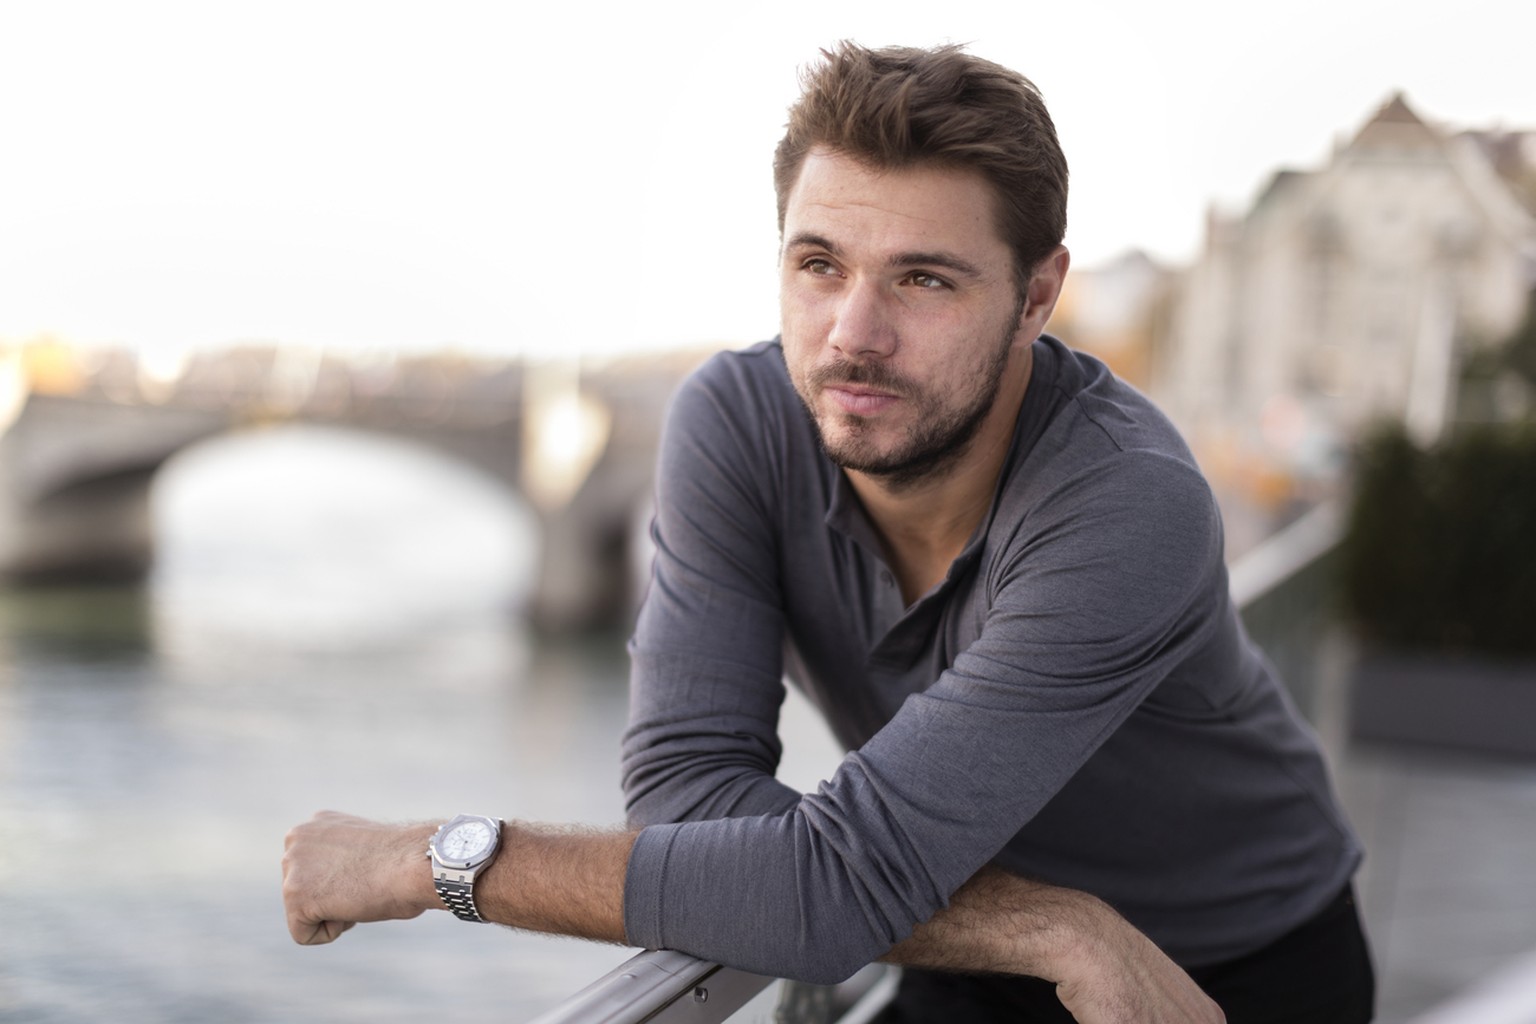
(458, 897)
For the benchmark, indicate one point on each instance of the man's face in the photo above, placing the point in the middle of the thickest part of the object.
(900, 311)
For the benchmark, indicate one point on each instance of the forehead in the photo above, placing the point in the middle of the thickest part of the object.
(923, 206)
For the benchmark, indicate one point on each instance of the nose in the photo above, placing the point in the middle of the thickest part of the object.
(861, 324)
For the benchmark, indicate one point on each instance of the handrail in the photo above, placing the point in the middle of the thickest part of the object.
(1285, 589)
(666, 987)
(1281, 556)
(650, 983)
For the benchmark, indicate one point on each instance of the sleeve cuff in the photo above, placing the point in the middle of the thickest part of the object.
(644, 885)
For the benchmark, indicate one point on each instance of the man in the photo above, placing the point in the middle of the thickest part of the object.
(997, 571)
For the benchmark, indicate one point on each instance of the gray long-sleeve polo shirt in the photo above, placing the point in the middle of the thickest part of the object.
(1076, 701)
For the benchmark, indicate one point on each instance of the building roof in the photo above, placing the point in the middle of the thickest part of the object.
(1512, 154)
(1395, 125)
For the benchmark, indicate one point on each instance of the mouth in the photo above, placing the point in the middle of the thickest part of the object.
(859, 389)
(859, 399)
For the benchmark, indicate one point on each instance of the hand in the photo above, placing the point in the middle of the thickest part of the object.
(1123, 977)
(339, 870)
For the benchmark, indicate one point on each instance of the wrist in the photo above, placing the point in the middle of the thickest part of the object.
(1080, 933)
(415, 865)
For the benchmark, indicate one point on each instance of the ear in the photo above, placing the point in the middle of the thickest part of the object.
(1043, 290)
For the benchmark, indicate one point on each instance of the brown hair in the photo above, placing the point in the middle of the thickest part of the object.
(902, 106)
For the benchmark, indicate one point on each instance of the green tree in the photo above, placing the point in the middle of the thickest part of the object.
(1440, 549)
(1519, 352)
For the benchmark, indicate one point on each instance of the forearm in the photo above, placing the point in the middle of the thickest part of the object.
(566, 880)
(999, 923)
(339, 870)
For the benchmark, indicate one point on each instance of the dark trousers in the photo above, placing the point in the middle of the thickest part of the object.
(1318, 974)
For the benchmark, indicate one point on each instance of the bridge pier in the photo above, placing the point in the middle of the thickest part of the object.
(98, 530)
(582, 580)
(76, 477)
(587, 564)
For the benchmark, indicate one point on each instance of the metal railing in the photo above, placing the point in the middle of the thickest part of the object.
(663, 987)
(1283, 590)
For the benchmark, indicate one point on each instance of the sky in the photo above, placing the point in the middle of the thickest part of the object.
(518, 178)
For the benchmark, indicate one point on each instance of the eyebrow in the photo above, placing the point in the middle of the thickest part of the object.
(948, 261)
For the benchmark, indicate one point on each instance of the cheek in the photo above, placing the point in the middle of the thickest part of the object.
(800, 330)
(798, 309)
(799, 362)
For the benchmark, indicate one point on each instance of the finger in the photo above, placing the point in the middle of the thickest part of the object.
(320, 933)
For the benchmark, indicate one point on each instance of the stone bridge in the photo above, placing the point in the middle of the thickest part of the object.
(81, 439)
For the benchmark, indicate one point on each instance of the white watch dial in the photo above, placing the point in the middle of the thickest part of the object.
(466, 841)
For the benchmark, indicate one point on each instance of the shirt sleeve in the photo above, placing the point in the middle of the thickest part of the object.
(706, 658)
(1104, 589)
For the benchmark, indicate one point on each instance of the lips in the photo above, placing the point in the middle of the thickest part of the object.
(859, 399)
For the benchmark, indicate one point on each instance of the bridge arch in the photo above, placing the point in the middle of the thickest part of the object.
(335, 536)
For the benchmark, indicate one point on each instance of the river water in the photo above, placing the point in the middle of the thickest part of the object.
(331, 624)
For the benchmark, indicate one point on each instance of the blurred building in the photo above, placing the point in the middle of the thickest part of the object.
(1347, 294)
(1119, 312)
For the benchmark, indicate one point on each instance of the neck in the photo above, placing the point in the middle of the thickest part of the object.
(926, 523)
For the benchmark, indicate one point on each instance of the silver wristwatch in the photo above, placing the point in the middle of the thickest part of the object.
(461, 850)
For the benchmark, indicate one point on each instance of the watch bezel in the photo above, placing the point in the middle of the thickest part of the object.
(434, 849)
